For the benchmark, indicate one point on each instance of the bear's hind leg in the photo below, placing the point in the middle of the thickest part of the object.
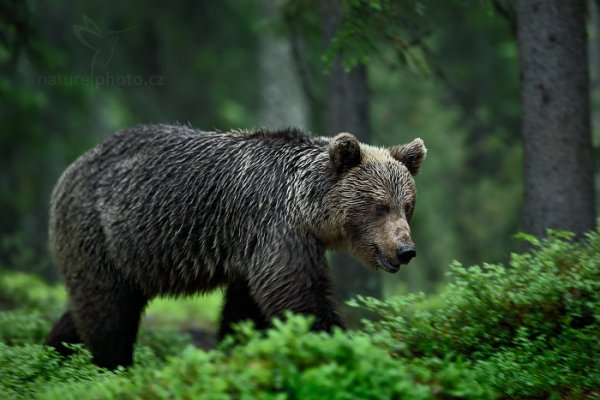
(63, 331)
(107, 315)
(239, 306)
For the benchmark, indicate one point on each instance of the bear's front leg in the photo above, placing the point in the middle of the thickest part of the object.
(294, 278)
(239, 305)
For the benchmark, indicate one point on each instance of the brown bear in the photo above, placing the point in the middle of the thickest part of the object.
(169, 210)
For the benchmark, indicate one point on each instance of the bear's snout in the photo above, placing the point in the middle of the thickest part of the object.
(405, 254)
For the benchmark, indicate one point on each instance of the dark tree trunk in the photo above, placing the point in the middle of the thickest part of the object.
(283, 103)
(347, 110)
(559, 163)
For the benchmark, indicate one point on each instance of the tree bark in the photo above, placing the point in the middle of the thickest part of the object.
(347, 110)
(283, 102)
(558, 155)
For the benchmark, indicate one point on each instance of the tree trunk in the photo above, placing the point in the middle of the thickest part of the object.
(347, 110)
(558, 156)
(283, 102)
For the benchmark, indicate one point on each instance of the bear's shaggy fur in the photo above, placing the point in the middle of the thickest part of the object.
(169, 210)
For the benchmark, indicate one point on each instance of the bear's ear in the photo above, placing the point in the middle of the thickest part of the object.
(411, 154)
(344, 152)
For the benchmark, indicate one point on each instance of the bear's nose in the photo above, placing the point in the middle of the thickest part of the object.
(405, 254)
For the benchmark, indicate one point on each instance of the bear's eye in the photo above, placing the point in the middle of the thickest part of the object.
(408, 210)
(381, 209)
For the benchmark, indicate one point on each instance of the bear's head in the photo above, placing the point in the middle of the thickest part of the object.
(373, 199)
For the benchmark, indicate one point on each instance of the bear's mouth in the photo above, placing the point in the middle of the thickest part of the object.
(386, 264)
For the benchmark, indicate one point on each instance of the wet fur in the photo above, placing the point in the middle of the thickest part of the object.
(169, 210)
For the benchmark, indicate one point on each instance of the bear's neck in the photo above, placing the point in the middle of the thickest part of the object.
(315, 209)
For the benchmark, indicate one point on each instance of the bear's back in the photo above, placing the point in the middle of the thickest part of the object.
(177, 204)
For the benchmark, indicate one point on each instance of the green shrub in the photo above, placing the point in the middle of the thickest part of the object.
(289, 362)
(30, 292)
(27, 371)
(198, 312)
(22, 327)
(530, 330)
(163, 343)
(32, 371)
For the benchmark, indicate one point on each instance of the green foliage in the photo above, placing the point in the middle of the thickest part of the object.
(321, 366)
(530, 329)
(20, 327)
(30, 292)
(289, 362)
(163, 342)
(368, 25)
(27, 370)
(178, 312)
(527, 330)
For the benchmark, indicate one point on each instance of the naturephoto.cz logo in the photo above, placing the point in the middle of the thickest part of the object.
(102, 46)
